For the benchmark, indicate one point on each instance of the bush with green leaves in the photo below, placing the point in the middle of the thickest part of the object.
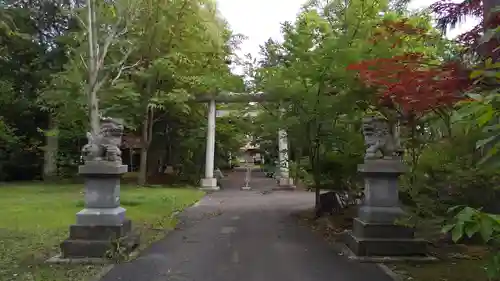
(338, 171)
(468, 222)
(447, 172)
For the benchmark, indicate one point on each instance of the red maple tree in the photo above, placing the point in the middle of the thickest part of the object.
(410, 80)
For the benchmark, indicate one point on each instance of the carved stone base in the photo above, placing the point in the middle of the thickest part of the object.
(385, 247)
(361, 228)
(376, 214)
(209, 184)
(384, 239)
(285, 182)
(101, 216)
(98, 241)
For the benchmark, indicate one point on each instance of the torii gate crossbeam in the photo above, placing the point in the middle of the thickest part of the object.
(209, 182)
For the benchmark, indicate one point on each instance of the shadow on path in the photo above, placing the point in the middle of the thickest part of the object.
(234, 235)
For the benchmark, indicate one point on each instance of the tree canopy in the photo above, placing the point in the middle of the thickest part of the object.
(147, 60)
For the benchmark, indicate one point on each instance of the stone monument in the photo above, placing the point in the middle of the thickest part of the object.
(375, 233)
(102, 222)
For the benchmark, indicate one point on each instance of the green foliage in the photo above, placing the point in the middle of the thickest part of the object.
(30, 55)
(339, 170)
(480, 113)
(468, 222)
(155, 56)
(231, 136)
(307, 72)
(323, 103)
(483, 108)
(446, 171)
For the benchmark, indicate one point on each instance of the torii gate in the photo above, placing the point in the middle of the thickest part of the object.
(209, 182)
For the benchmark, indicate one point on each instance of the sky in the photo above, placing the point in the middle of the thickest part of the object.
(261, 19)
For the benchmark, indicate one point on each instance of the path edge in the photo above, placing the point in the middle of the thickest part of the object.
(137, 252)
(393, 275)
(387, 270)
(102, 273)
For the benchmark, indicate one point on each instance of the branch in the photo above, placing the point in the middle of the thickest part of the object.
(121, 33)
(358, 23)
(82, 22)
(107, 42)
(83, 61)
(100, 83)
(123, 68)
(268, 110)
(165, 113)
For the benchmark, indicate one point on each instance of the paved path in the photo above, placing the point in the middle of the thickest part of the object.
(234, 235)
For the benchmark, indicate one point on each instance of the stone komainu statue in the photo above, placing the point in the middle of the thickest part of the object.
(381, 142)
(105, 146)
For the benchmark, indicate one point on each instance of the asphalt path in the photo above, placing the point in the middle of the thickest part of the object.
(236, 235)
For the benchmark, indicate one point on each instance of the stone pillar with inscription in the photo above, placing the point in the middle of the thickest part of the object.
(102, 224)
(375, 232)
(284, 179)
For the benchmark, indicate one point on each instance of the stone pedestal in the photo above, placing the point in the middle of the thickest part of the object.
(285, 182)
(209, 184)
(374, 231)
(102, 223)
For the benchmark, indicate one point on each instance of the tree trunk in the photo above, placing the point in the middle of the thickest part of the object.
(317, 193)
(315, 163)
(298, 157)
(50, 151)
(142, 178)
(162, 161)
(147, 130)
(131, 158)
(154, 160)
(92, 70)
(317, 180)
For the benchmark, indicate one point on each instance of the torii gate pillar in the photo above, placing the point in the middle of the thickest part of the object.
(209, 182)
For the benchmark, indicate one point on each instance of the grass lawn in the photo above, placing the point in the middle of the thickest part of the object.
(36, 218)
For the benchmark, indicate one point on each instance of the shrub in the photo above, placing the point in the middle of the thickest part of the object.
(447, 173)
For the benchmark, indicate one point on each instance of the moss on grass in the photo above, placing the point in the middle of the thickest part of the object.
(36, 218)
(457, 270)
(458, 262)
